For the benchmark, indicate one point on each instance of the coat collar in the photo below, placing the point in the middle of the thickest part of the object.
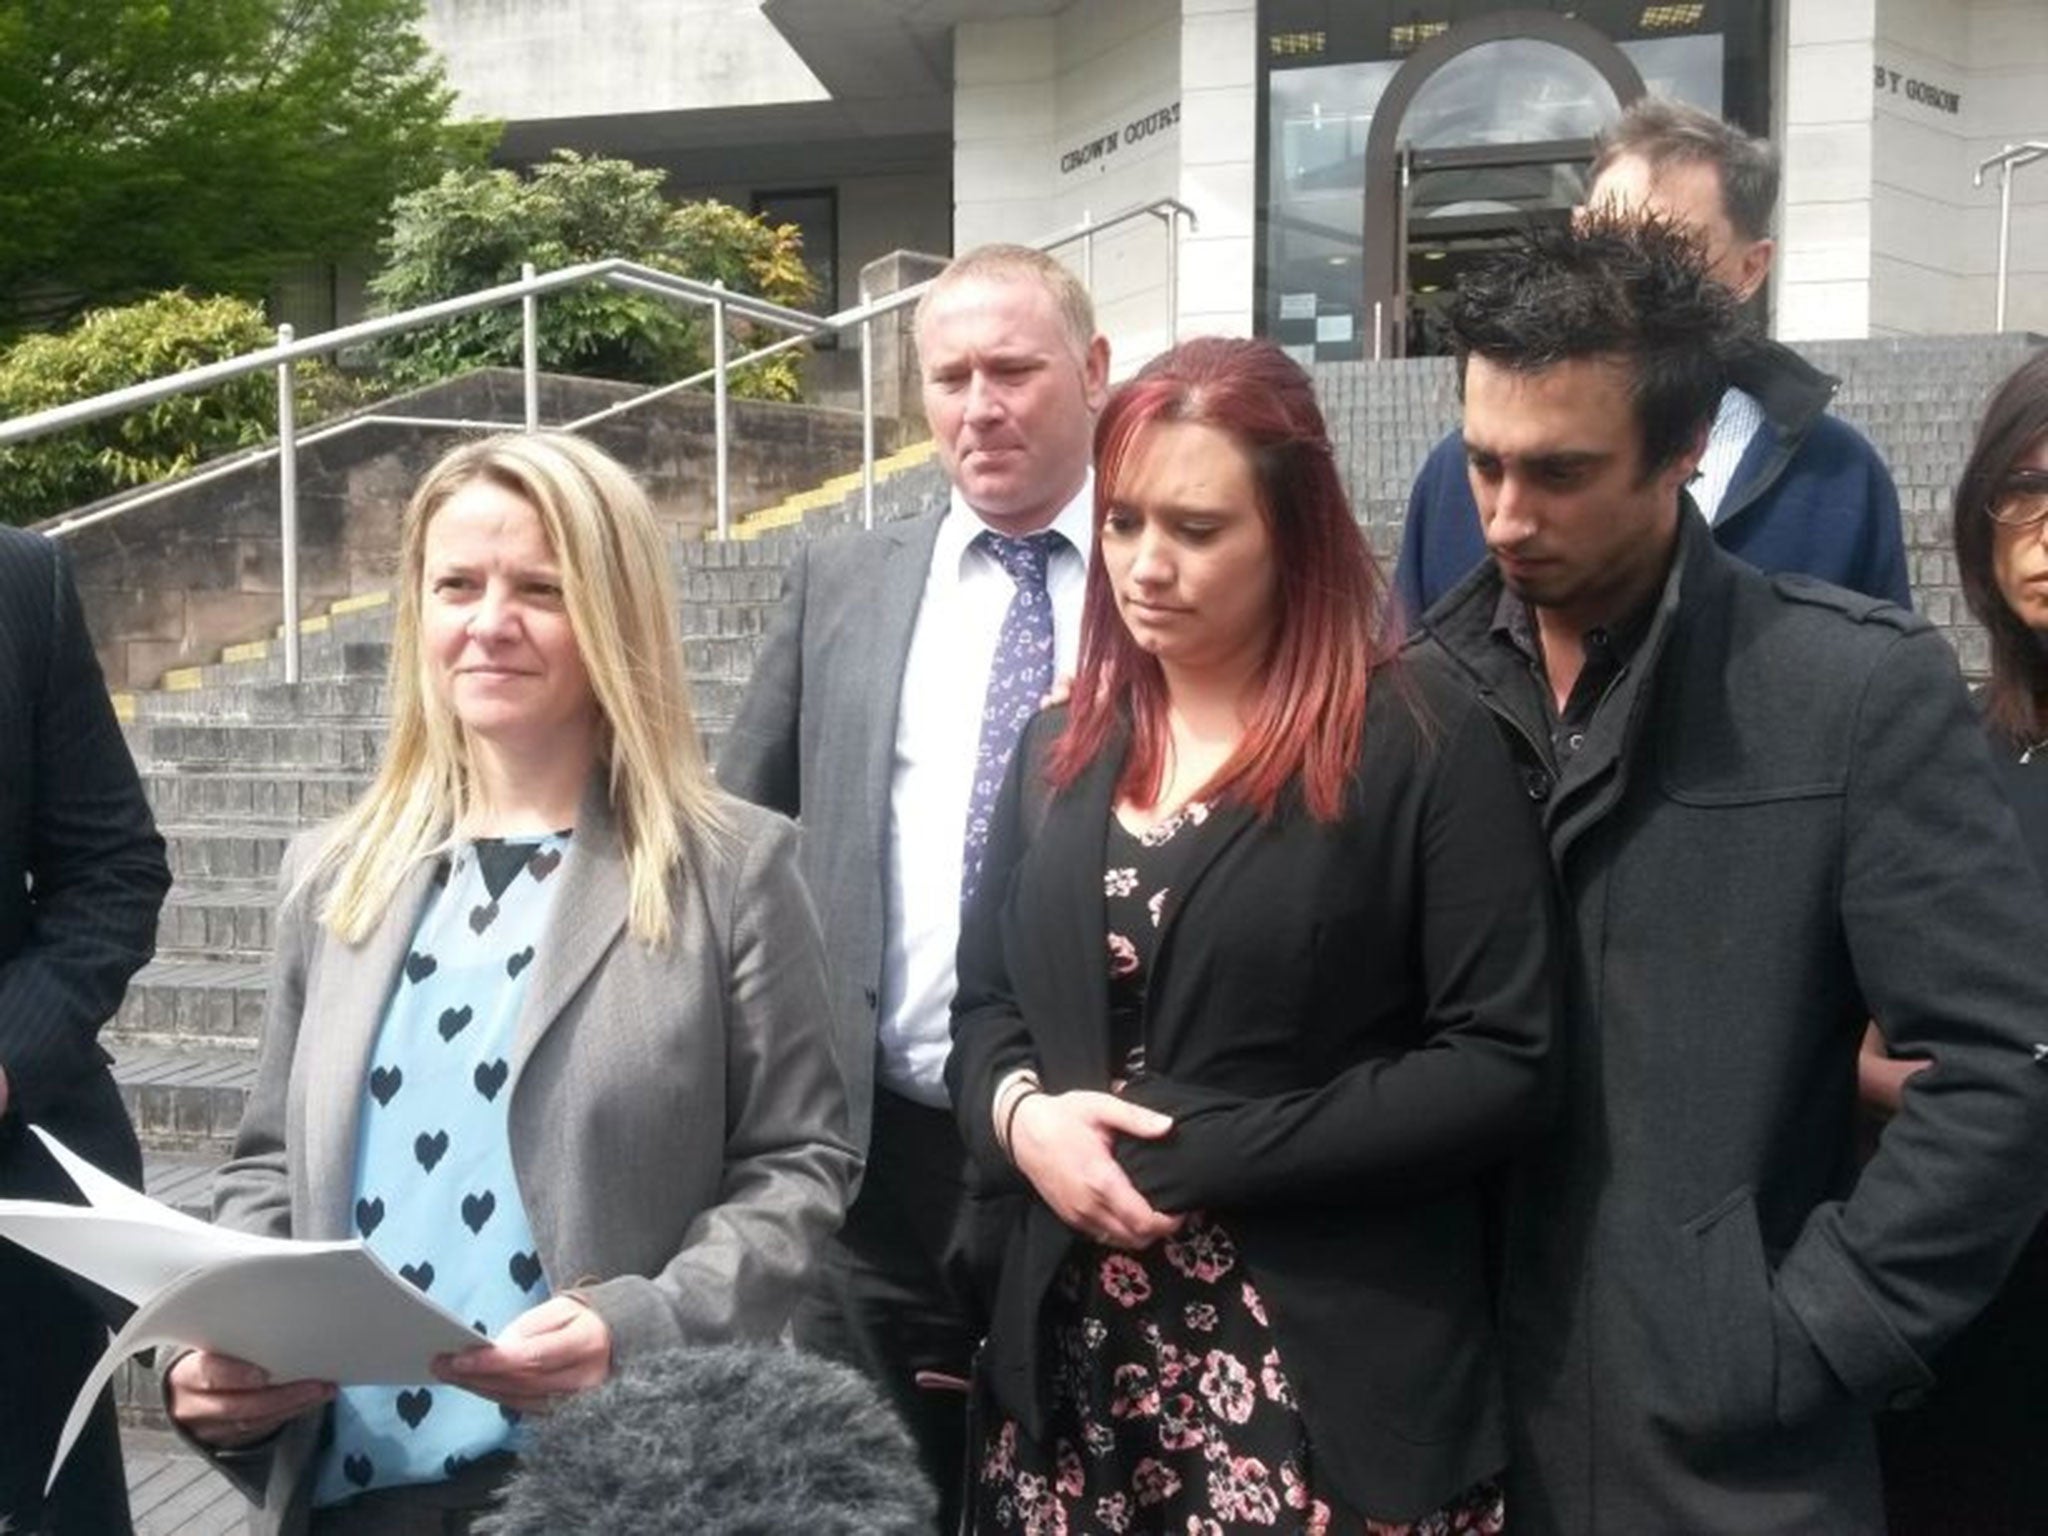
(1073, 847)
(1593, 782)
(588, 917)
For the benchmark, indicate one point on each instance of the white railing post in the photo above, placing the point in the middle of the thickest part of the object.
(2008, 160)
(867, 423)
(529, 347)
(288, 505)
(718, 398)
(1171, 220)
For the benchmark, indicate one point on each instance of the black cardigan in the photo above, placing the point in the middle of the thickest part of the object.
(1349, 1022)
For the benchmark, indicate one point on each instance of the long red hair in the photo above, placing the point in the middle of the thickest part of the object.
(1335, 626)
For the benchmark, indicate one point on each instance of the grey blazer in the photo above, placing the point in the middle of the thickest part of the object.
(815, 736)
(679, 1129)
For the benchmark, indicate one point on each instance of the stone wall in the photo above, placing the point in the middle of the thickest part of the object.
(169, 584)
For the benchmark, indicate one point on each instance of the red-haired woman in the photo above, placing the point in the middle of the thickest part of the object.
(1256, 991)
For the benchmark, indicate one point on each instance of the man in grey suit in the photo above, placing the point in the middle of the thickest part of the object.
(882, 711)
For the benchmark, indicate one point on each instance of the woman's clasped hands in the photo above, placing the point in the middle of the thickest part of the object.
(1062, 1143)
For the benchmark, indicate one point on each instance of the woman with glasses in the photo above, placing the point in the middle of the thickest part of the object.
(1967, 1459)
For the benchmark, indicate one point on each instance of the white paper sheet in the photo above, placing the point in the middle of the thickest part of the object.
(327, 1311)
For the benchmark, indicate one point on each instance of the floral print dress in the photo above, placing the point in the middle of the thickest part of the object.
(1170, 1412)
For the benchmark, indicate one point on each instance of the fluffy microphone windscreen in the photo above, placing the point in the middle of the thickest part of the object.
(731, 1440)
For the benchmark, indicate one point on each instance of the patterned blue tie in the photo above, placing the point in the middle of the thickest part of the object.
(1018, 677)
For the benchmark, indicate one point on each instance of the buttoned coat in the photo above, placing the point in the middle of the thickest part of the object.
(1782, 822)
(815, 737)
(1349, 1022)
(678, 1125)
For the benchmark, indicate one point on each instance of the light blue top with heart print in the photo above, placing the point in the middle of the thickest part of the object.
(435, 1195)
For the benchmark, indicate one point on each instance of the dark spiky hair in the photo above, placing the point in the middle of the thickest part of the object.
(1630, 289)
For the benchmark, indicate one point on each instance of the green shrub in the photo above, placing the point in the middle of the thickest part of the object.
(111, 349)
(472, 229)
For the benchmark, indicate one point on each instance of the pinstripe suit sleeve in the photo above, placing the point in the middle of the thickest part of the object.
(83, 839)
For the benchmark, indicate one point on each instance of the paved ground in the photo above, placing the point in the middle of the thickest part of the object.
(171, 1492)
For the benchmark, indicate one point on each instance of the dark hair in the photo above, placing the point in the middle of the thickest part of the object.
(2014, 421)
(1661, 132)
(1608, 286)
(1335, 625)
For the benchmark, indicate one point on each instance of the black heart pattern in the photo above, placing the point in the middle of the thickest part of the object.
(543, 864)
(385, 1083)
(478, 1324)
(358, 1470)
(482, 917)
(420, 1274)
(525, 1270)
(476, 1210)
(453, 1464)
(414, 1406)
(454, 1021)
(369, 1214)
(520, 961)
(430, 1149)
(419, 967)
(490, 1077)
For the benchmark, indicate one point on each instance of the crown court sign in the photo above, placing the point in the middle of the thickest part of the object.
(1130, 135)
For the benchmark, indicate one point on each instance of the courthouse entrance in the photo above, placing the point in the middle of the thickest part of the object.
(1399, 151)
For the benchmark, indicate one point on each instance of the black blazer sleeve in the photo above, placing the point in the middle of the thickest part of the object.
(83, 863)
(1401, 1126)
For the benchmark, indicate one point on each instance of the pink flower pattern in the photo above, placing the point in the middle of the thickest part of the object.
(1169, 1410)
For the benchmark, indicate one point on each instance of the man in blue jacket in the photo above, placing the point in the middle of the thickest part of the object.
(1785, 486)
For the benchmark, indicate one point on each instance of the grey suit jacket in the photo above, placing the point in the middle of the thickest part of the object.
(815, 737)
(679, 1129)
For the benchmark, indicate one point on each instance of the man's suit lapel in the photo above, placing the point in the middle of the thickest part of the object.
(344, 1011)
(905, 551)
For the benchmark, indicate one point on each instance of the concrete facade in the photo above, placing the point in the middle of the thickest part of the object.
(1886, 109)
(938, 124)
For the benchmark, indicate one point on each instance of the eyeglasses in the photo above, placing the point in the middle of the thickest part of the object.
(2022, 500)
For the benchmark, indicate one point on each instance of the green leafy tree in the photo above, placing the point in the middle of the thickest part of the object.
(212, 144)
(113, 348)
(472, 229)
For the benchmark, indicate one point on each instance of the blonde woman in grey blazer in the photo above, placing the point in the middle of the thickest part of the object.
(656, 1132)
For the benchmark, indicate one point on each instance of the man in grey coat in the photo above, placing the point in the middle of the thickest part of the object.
(1772, 816)
(882, 712)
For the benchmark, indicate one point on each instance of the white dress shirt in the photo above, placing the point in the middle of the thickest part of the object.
(938, 733)
(1735, 423)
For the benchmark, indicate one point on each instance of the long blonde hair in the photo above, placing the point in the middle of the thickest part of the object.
(620, 596)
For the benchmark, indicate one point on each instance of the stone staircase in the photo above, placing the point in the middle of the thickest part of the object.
(235, 761)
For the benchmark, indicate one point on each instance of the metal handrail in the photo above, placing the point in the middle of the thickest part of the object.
(282, 359)
(2008, 160)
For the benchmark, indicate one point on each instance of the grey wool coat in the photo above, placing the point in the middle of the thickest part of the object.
(679, 1127)
(1782, 823)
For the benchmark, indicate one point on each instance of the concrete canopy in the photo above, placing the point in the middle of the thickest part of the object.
(889, 63)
